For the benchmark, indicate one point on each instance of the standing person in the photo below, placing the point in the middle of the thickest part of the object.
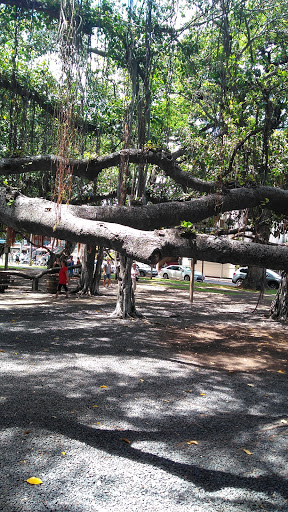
(57, 262)
(78, 270)
(70, 264)
(134, 274)
(63, 279)
(107, 273)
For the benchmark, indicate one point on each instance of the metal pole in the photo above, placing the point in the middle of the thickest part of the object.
(192, 267)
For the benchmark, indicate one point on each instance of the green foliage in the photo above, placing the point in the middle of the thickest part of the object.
(216, 86)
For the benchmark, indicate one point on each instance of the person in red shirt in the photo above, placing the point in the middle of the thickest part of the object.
(63, 278)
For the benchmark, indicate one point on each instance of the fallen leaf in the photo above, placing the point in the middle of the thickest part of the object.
(202, 394)
(141, 380)
(34, 480)
(126, 440)
(103, 386)
(27, 431)
(247, 451)
(94, 405)
(63, 453)
(166, 400)
(192, 442)
(2, 350)
(281, 371)
(251, 385)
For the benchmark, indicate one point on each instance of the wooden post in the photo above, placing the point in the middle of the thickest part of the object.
(192, 267)
(35, 284)
(6, 256)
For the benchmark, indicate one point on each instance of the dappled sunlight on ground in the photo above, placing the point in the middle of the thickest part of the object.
(97, 407)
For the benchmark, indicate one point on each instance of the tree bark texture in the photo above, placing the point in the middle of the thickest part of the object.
(255, 278)
(87, 270)
(125, 306)
(41, 217)
(279, 306)
(97, 273)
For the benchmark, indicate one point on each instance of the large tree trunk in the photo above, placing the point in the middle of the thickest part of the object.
(87, 270)
(97, 274)
(125, 306)
(262, 221)
(255, 279)
(279, 306)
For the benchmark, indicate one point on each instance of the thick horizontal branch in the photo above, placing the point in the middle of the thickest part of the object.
(172, 213)
(42, 217)
(89, 169)
(156, 216)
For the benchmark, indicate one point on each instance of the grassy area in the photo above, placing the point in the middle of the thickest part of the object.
(202, 287)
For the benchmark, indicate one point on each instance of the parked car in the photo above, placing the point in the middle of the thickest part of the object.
(198, 276)
(145, 270)
(180, 272)
(272, 278)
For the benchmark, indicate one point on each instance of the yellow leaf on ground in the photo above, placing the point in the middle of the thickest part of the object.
(103, 386)
(94, 405)
(202, 394)
(34, 480)
(281, 371)
(126, 440)
(247, 451)
(63, 453)
(192, 442)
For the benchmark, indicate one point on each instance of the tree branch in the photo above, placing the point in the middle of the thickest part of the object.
(89, 169)
(155, 216)
(42, 217)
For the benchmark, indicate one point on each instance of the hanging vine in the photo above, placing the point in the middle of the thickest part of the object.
(71, 88)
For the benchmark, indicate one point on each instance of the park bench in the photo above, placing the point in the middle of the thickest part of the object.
(5, 280)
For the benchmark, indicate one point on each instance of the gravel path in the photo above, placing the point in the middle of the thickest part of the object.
(104, 413)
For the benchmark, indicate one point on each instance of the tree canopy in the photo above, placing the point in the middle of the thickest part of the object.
(145, 117)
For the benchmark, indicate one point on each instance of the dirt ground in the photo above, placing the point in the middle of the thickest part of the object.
(219, 330)
(226, 332)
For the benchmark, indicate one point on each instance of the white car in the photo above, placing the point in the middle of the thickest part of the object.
(145, 270)
(180, 272)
